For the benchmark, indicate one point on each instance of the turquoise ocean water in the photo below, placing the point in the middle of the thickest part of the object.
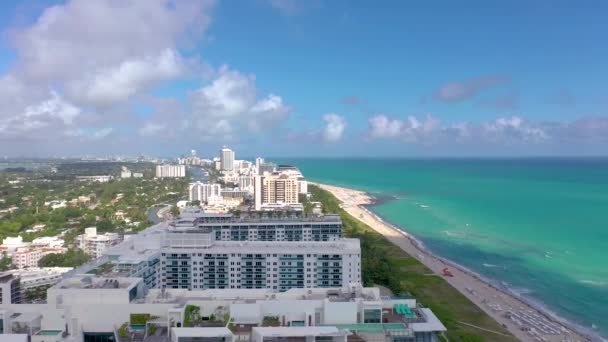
(537, 226)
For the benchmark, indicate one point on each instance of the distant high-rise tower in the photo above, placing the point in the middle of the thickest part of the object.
(258, 161)
(227, 159)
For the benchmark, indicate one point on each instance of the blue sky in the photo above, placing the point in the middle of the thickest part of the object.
(314, 78)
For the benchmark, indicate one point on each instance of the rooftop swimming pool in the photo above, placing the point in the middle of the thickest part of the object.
(49, 332)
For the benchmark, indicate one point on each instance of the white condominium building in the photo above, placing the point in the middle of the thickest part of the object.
(95, 244)
(202, 191)
(85, 309)
(275, 189)
(227, 159)
(194, 260)
(170, 171)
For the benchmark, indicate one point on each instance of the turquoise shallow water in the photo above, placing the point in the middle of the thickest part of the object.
(538, 226)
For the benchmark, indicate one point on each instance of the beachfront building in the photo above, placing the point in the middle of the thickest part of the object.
(170, 171)
(95, 244)
(294, 171)
(272, 190)
(227, 227)
(322, 315)
(193, 259)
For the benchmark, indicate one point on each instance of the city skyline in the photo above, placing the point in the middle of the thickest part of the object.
(317, 78)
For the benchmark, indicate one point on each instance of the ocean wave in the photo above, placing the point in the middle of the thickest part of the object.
(593, 282)
(520, 291)
(493, 266)
(455, 234)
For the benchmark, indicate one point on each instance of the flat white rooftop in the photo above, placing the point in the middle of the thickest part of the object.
(299, 331)
(13, 337)
(432, 323)
(242, 295)
(92, 283)
(202, 332)
(340, 246)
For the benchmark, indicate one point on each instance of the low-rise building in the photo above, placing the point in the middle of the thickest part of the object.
(48, 241)
(10, 243)
(29, 256)
(99, 179)
(95, 244)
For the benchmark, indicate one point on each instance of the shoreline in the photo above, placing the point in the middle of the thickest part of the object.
(494, 299)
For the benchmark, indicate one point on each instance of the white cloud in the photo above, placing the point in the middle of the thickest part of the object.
(54, 107)
(119, 83)
(231, 100)
(151, 128)
(430, 130)
(102, 133)
(411, 130)
(513, 129)
(334, 127)
(104, 52)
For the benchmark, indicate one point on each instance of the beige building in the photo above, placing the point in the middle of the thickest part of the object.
(275, 189)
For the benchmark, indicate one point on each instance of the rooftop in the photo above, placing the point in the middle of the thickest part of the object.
(340, 246)
(432, 322)
(89, 282)
(202, 332)
(300, 331)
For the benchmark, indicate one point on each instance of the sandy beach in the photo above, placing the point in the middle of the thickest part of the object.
(523, 320)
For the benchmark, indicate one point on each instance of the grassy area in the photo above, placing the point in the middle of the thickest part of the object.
(386, 264)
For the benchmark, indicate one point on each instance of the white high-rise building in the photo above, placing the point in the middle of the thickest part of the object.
(202, 191)
(227, 159)
(273, 265)
(258, 161)
(170, 171)
(276, 189)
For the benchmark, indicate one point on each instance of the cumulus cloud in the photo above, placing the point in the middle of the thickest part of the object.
(96, 55)
(430, 130)
(119, 83)
(462, 90)
(410, 130)
(73, 57)
(151, 128)
(46, 117)
(231, 100)
(70, 39)
(334, 127)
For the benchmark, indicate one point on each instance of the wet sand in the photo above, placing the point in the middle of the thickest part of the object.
(506, 308)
